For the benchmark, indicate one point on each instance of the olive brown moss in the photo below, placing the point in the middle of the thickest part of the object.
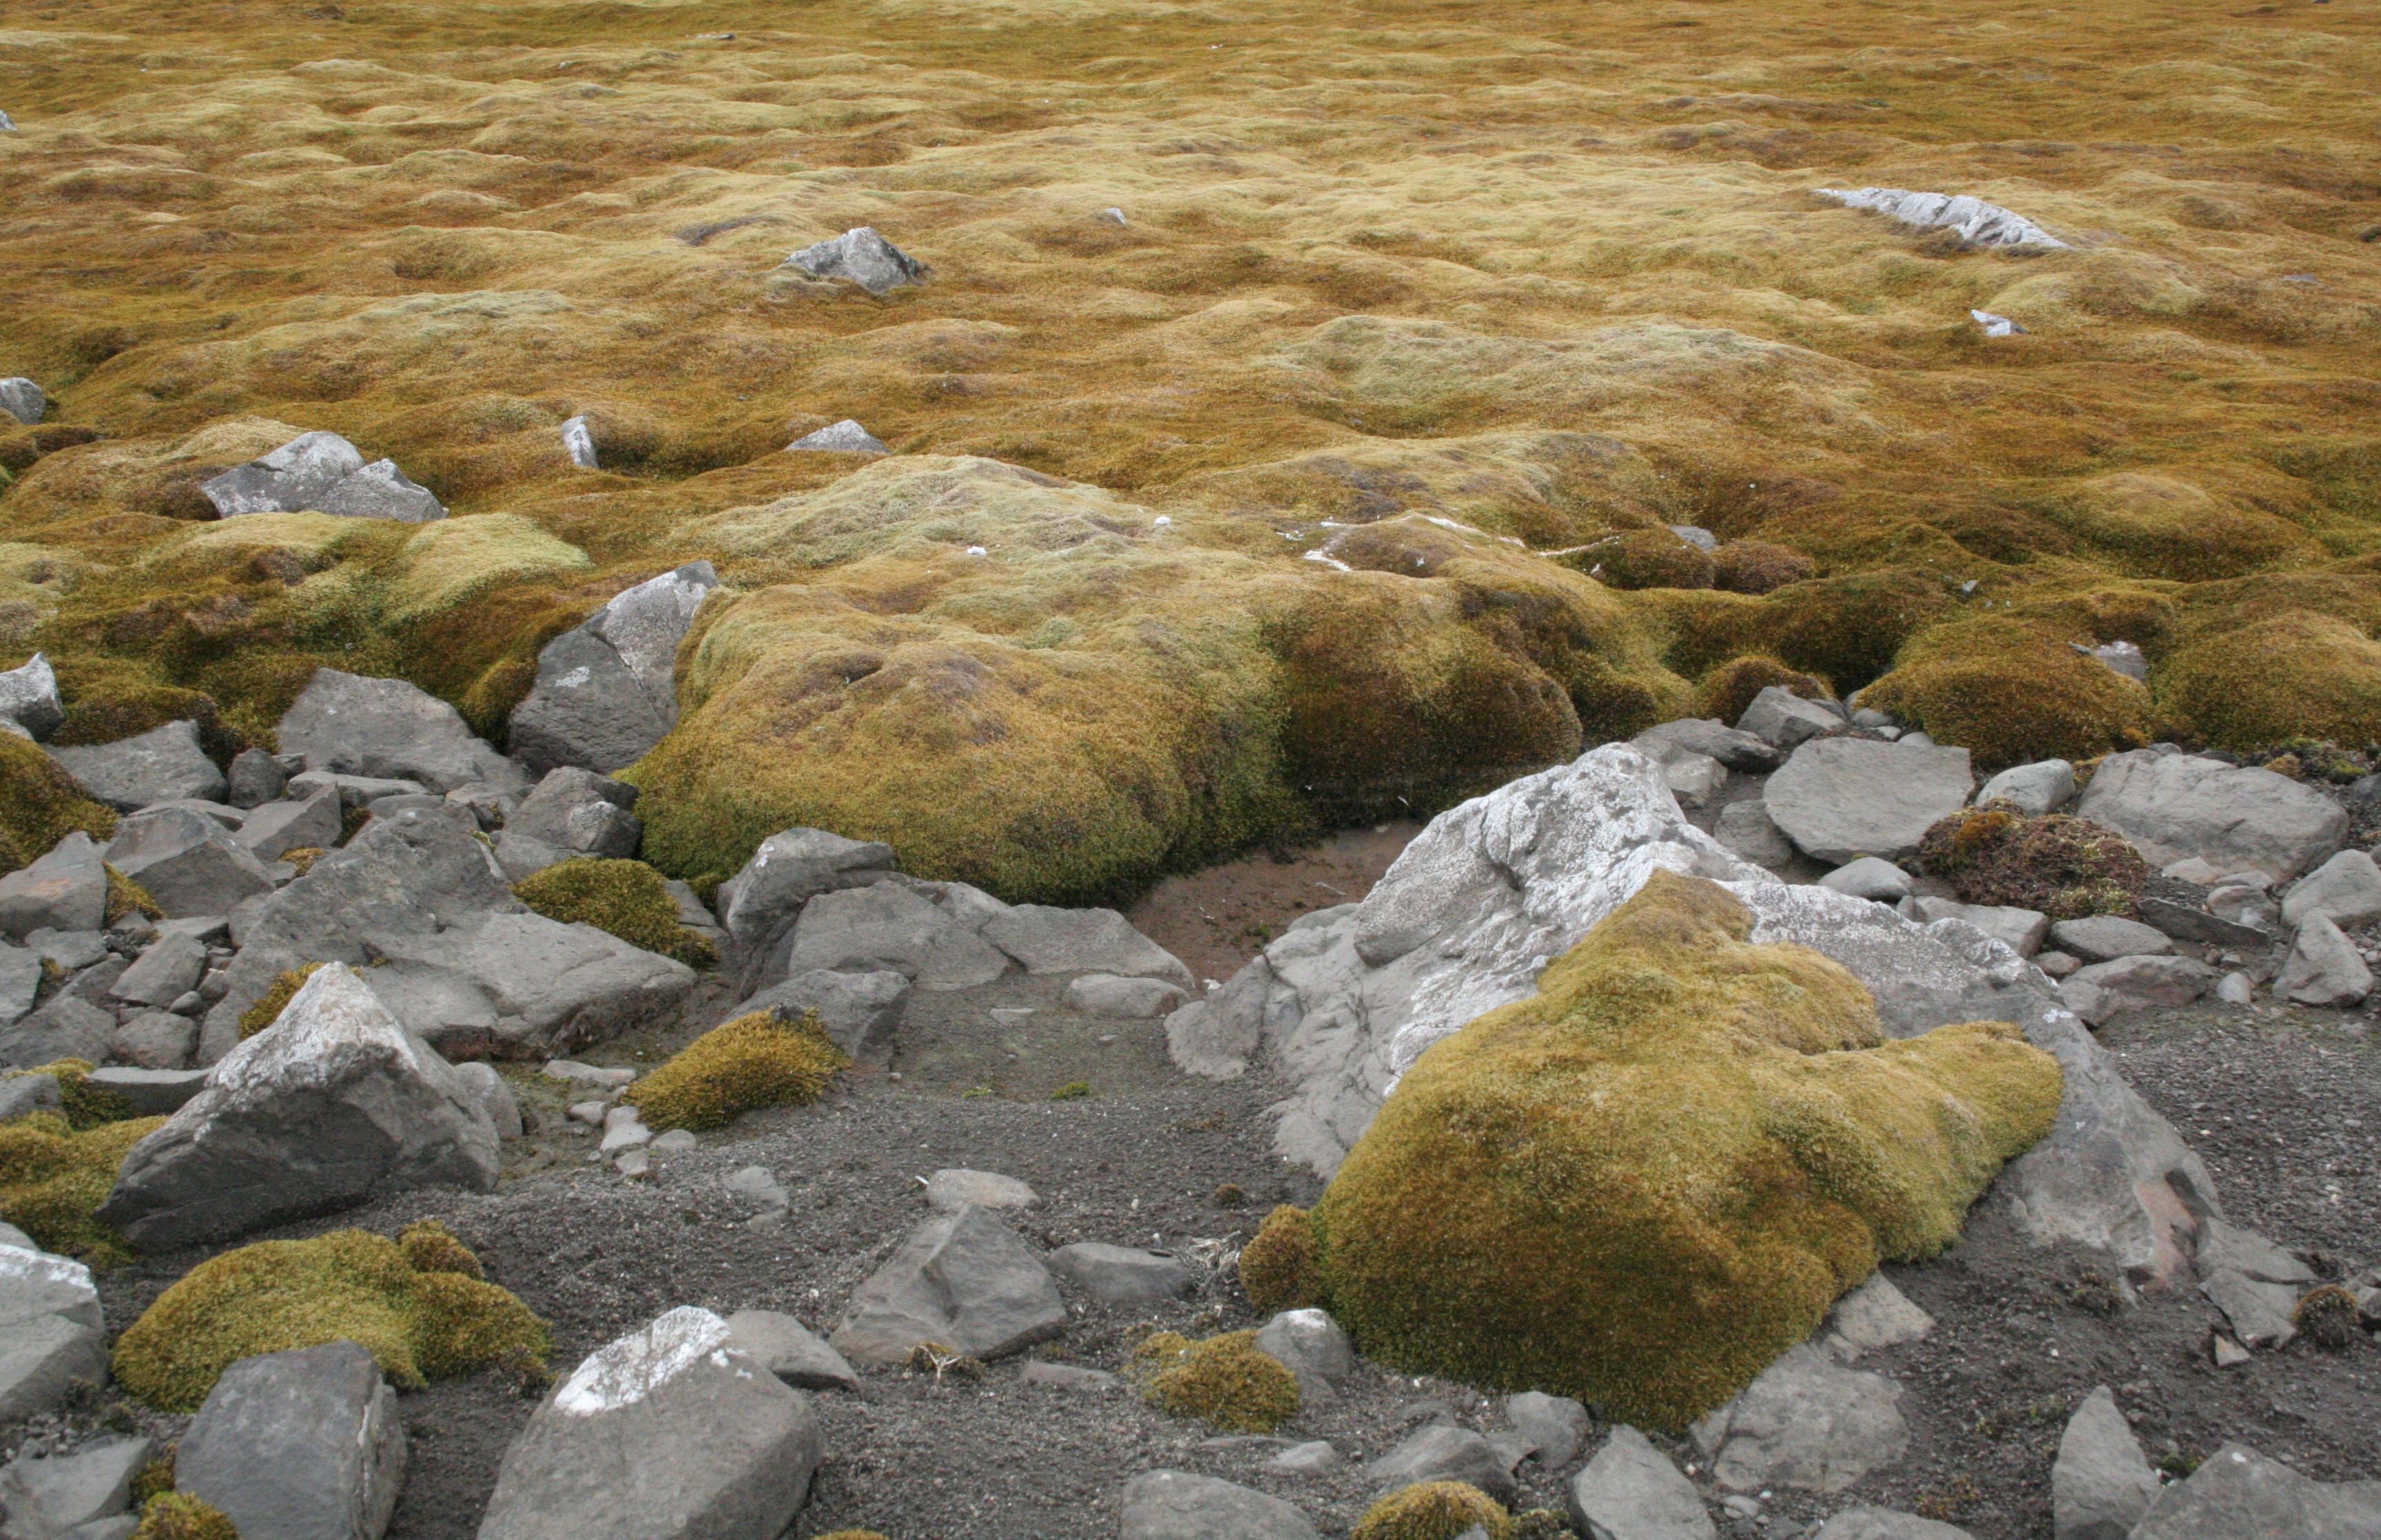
(624, 898)
(1223, 1381)
(1434, 1510)
(1641, 1185)
(758, 1060)
(2064, 866)
(55, 1176)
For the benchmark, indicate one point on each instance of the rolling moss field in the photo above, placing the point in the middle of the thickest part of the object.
(1306, 493)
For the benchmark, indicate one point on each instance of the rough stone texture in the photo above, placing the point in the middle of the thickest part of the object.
(2260, 1312)
(2021, 930)
(861, 255)
(58, 1495)
(2324, 967)
(52, 1333)
(581, 813)
(2246, 1251)
(762, 901)
(1745, 830)
(152, 1093)
(1216, 1036)
(353, 725)
(29, 697)
(276, 827)
(1121, 1276)
(304, 1445)
(605, 692)
(1739, 751)
(953, 1188)
(21, 981)
(2099, 994)
(1310, 1344)
(1885, 1524)
(2106, 937)
(847, 437)
(791, 1350)
(2345, 889)
(1971, 219)
(1877, 1315)
(1783, 719)
(154, 1040)
(887, 927)
(255, 778)
(503, 1112)
(1808, 1422)
(579, 442)
(1082, 940)
(1069, 1378)
(963, 1279)
(860, 1010)
(1106, 994)
(1631, 1491)
(2239, 1494)
(187, 862)
(1556, 1427)
(2178, 807)
(22, 1095)
(67, 1026)
(1443, 1451)
(322, 472)
(1175, 1505)
(2185, 924)
(66, 890)
(670, 1433)
(2101, 1482)
(1841, 799)
(334, 1105)
(1878, 880)
(19, 397)
(157, 766)
(2036, 789)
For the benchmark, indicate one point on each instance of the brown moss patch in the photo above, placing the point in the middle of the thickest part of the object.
(2066, 868)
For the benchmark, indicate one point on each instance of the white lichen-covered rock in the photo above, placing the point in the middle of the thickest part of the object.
(19, 397)
(322, 472)
(29, 697)
(51, 1333)
(332, 1106)
(1971, 219)
(671, 1433)
(847, 437)
(862, 257)
(579, 442)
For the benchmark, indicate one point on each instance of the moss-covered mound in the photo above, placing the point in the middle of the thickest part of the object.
(1642, 1184)
(1278, 1267)
(1759, 567)
(1223, 1381)
(1729, 688)
(1434, 1510)
(2009, 693)
(2066, 868)
(627, 899)
(420, 1324)
(85, 1105)
(180, 1516)
(1652, 559)
(2291, 675)
(739, 1066)
(40, 806)
(52, 1179)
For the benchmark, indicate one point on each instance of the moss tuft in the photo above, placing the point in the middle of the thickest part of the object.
(1641, 1185)
(1074, 1090)
(627, 899)
(128, 897)
(276, 999)
(126, 712)
(1727, 690)
(2012, 693)
(1759, 567)
(1434, 1510)
(53, 1180)
(1223, 1381)
(1277, 1268)
(277, 1295)
(2330, 1318)
(1848, 629)
(303, 859)
(154, 1478)
(2066, 868)
(755, 1060)
(430, 1247)
(1652, 559)
(39, 805)
(86, 1105)
(180, 1516)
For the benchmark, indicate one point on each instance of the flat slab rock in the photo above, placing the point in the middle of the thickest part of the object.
(52, 1333)
(1631, 1491)
(2180, 806)
(1842, 798)
(157, 766)
(964, 1281)
(1808, 1422)
(2241, 1494)
(1175, 1505)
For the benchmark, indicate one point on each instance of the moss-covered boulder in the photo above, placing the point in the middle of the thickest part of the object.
(2012, 693)
(39, 805)
(1642, 1184)
(622, 898)
(755, 1060)
(55, 1176)
(1434, 1510)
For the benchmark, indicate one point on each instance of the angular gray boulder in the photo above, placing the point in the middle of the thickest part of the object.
(1121, 1276)
(2180, 806)
(791, 1350)
(2042, 787)
(861, 255)
(1631, 1491)
(51, 1331)
(859, 1010)
(72, 1495)
(302, 1445)
(351, 724)
(1107, 994)
(670, 1433)
(1841, 799)
(2101, 1482)
(188, 862)
(417, 872)
(161, 765)
(332, 1106)
(1885, 1524)
(19, 397)
(515, 986)
(1443, 1451)
(2104, 990)
(1177, 1505)
(2345, 889)
(1312, 1346)
(323, 473)
(847, 437)
(762, 901)
(887, 927)
(2324, 967)
(29, 697)
(572, 813)
(1738, 750)
(2239, 1494)
(1051, 941)
(2106, 937)
(1806, 1421)
(606, 692)
(964, 1281)
(65, 890)
(274, 828)
(1783, 719)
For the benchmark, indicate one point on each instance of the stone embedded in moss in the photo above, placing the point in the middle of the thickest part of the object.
(1729, 688)
(623, 898)
(86, 1105)
(2064, 866)
(755, 1060)
(418, 1325)
(1223, 1381)
(1277, 1266)
(178, 1516)
(54, 1177)
(1651, 559)
(2012, 693)
(1434, 1510)
(1641, 1185)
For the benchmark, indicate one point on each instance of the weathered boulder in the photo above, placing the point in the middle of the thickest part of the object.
(63, 1493)
(1841, 799)
(322, 472)
(1885, 1524)
(847, 437)
(605, 692)
(1631, 1491)
(888, 927)
(1106, 994)
(861, 255)
(514, 985)
(2021, 930)
(1443, 1451)
(2345, 889)
(416, 872)
(953, 1188)
(2241, 1494)
(762, 901)
(1782, 719)
(150, 1093)
(332, 1106)
(188, 862)
(2263, 1314)
(1215, 1037)
(670, 1433)
(1971, 219)
(2101, 1482)
(1738, 750)
(19, 397)
(350, 725)
(1877, 1315)
(1121, 1274)
(1556, 1427)
(1746, 831)
(1807, 1421)
(255, 779)
(1177, 1505)
(52, 1333)
(859, 1010)
(2180, 806)
(2106, 937)
(66, 890)
(29, 697)
(302, 1445)
(2034, 789)
(1310, 1344)
(2100, 993)
(2246, 1251)
(154, 1040)
(22, 1095)
(791, 1350)
(579, 442)
(1080, 940)
(962, 1279)
(1878, 880)
(2324, 967)
(156, 765)
(274, 828)
(497, 1096)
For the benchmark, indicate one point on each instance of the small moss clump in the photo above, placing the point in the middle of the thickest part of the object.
(1653, 559)
(1434, 1510)
(627, 899)
(128, 897)
(2012, 693)
(2067, 867)
(85, 1105)
(180, 1516)
(1223, 1381)
(1074, 1090)
(430, 1247)
(39, 805)
(1727, 690)
(2330, 1318)
(275, 1295)
(303, 859)
(755, 1060)
(154, 1479)
(52, 1179)
(1759, 567)
(276, 999)
(1277, 1268)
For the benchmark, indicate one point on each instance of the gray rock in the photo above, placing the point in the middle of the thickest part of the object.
(1971, 219)
(66, 890)
(2106, 937)
(1694, 779)
(1782, 719)
(68, 1027)
(2186, 923)
(791, 1350)
(1807, 1421)
(2036, 789)
(2021, 930)
(29, 697)
(1314, 1458)
(2246, 1251)
(2247, 906)
(1745, 830)
(154, 1040)
(1121, 1274)
(670, 1433)
(847, 437)
(860, 1010)
(322, 472)
(187, 862)
(2324, 967)
(2346, 890)
(495, 1097)
(1631, 1491)
(1082, 940)
(963, 1279)
(332, 1106)
(1885, 1524)
(163, 973)
(274, 829)
(2238, 1494)
(51, 1333)
(1106, 994)
(606, 692)
(1739, 751)
(2260, 1312)
(22, 1095)
(1215, 1038)
(59, 1495)
(70, 950)
(354, 791)
(1310, 1344)
(1841, 799)
(20, 982)
(381, 490)
(579, 442)
(578, 813)
(1556, 1427)
(760, 902)
(255, 778)
(954, 1188)
(353, 725)
(19, 397)
(755, 1183)
(2101, 992)
(1069, 1378)
(2101, 1482)
(862, 257)
(1443, 1451)
(157, 766)
(1877, 880)
(2236, 988)
(1175, 1505)
(302, 1445)
(151, 1093)
(2178, 807)
(1877, 1315)
(887, 927)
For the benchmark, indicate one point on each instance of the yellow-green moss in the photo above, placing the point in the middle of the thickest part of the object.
(53, 1180)
(1434, 1510)
(1277, 1266)
(1729, 688)
(430, 1247)
(128, 897)
(452, 561)
(2292, 674)
(1759, 567)
(39, 805)
(85, 1105)
(755, 1060)
(180, 1516)
(275, 999)
(627, 899)
(154, 1477)
(1848, 629)
(1641, 1185)
(2063, 866)
(2010, 692)
(1223, 1381)
(419, 1325)
(1651, 559)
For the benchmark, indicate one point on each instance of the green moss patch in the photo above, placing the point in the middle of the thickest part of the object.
(755, 1060)
(1434, 1510)
(627, 899)
(180, 1516)
(54, 1177)
(39, 805)
(1223, 1381)
(2012, 693)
